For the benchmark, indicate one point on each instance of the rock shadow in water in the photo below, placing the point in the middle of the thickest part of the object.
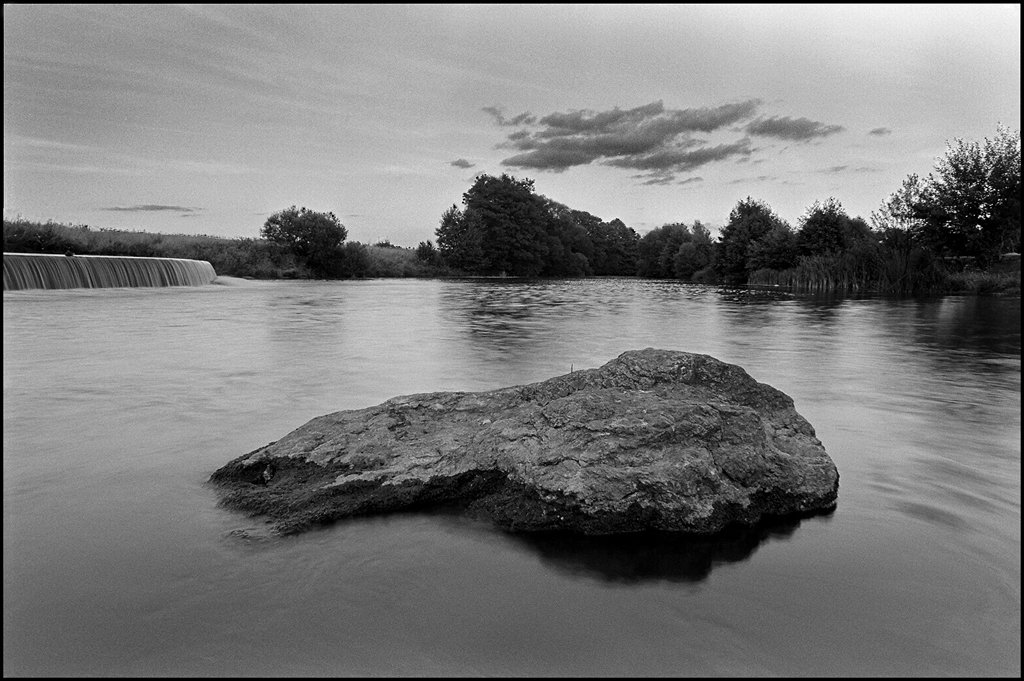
(655, 556)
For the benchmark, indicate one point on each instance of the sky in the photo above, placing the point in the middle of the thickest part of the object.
(206, 119)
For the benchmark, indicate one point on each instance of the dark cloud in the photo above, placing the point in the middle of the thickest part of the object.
(554, 157)
(601, 121)
(522, 119)
(681, 160)
(648, 137)
(880, 131)
(152, 207)
(784, 127)
(461, 163)
(651, 138)
(836, 169)
(691, 180)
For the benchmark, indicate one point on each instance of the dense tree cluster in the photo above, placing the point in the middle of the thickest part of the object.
(753, 237)
(675, 251)
(965, 214)
(506, 228)
(969, 206)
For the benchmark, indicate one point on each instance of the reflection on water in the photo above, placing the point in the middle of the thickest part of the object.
(118, 404)
(654, 556)
(634, 558)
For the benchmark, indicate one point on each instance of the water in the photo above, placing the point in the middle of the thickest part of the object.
(119, 404)
(46, 271)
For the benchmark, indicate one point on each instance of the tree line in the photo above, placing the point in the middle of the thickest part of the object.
(964, 214)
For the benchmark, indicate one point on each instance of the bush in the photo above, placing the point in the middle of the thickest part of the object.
(315, 237)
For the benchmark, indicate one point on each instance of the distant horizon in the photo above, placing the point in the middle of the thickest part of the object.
(205, 120)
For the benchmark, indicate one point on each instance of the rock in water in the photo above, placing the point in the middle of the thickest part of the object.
(652, 440)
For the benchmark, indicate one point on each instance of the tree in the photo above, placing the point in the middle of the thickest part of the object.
(776, 250)
(426, 252)
(970, 204)
(657, 250)
(749, 222)
(356, 259)
(615, 246)
(898, 211)
(506, 228)
(315, 237)
(569, 249)
(826, 229)
(459, 242)
(512, 222)
(695, 254)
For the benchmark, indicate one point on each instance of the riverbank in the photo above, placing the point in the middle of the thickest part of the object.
(1002, 278)
(259, 259)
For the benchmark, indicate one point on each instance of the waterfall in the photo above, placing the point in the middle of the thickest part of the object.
(36, 270)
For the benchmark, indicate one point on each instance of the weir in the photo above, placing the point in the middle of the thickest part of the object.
(47, 271)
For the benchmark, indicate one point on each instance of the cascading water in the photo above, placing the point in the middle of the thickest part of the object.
(36, 270)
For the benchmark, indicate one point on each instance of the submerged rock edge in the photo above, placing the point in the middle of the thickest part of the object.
(652, 440)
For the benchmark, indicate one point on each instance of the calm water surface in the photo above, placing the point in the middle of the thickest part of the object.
(119, 404)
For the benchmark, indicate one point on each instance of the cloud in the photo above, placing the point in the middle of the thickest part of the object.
(648, 137)
(152, 207)
(677, 159)
(461, 163)
(759, 178)
(651, 119)
(652, 138)
(784, 127)
(655, 179)
(82, 158)
(832, 170)
(663, 178)
(524, 118)
(880, 131)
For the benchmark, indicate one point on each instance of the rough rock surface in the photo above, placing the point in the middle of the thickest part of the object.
(652, 440)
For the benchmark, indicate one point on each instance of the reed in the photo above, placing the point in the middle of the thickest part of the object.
(864, 270)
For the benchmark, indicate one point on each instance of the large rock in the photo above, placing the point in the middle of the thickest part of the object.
(654, 439)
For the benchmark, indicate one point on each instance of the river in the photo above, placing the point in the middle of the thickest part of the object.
(120, 403)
